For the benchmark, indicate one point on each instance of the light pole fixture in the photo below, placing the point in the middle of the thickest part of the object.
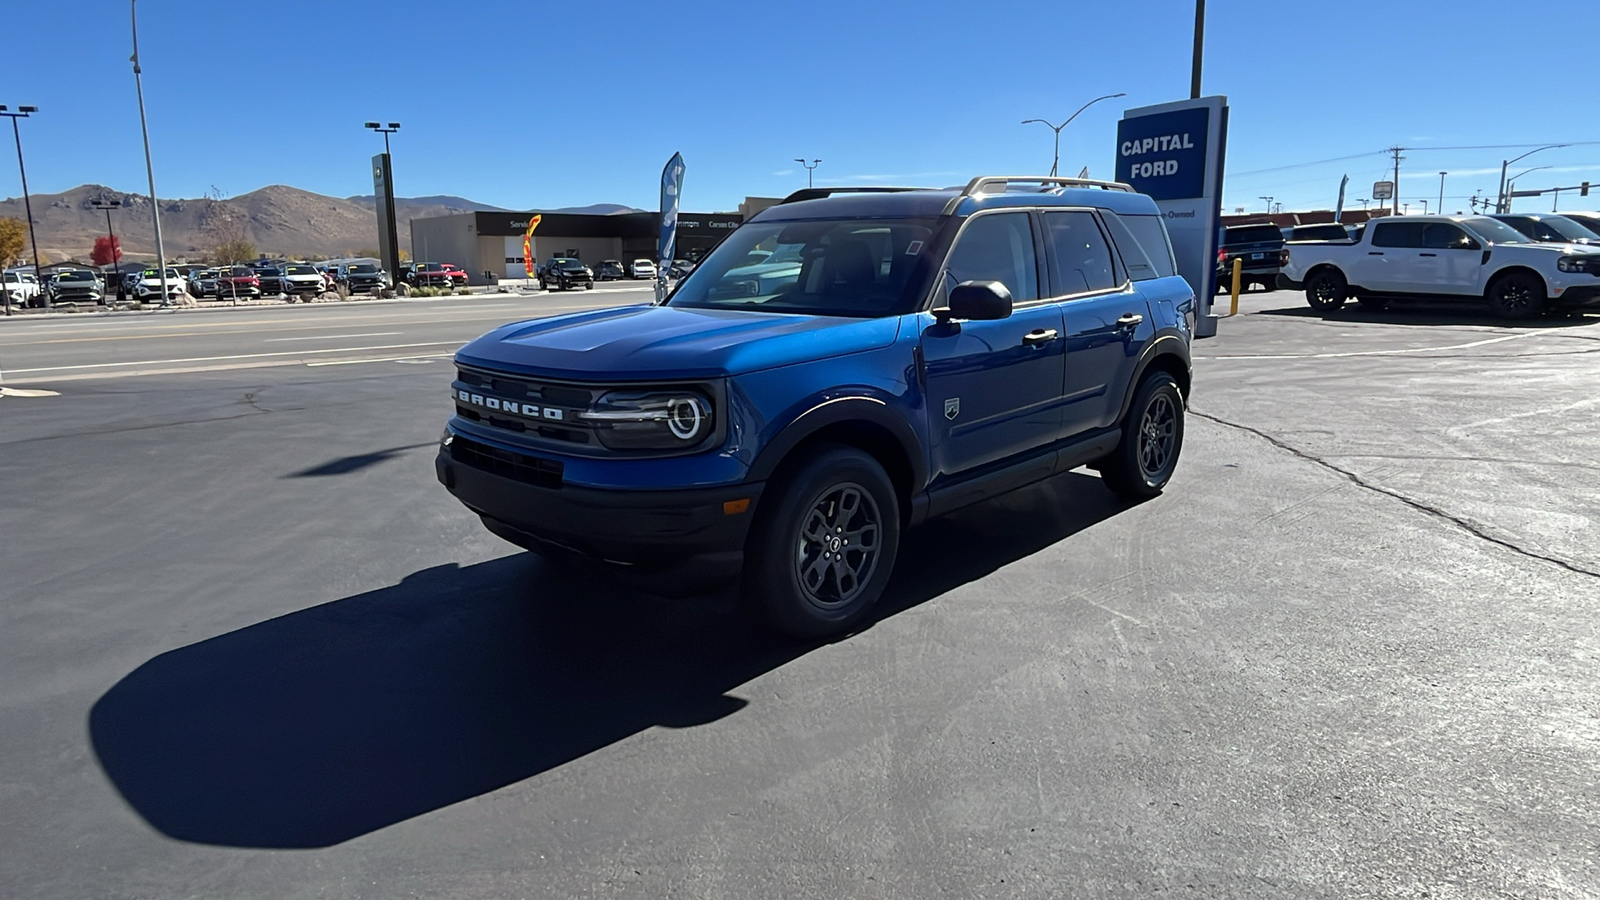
(1269, 204)
(108, 206)
(149, 167)
(1056, 162)
(1511, 184)
(1504, 203)
(1363, 202)
(808, 167)
(24, 112)
(378, 127)
(1424, 203)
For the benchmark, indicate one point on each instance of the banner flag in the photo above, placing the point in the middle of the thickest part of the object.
(527, 245)
(671, 188)
(1338, 209)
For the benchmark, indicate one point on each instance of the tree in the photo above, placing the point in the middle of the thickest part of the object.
(230, 243)
(13, 237)
(107, 250)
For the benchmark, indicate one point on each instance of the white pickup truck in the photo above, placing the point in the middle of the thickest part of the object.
(1461, 256)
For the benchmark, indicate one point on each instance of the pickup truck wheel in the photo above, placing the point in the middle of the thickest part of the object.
(823, 544)
(1327, 290)
(1152, 438)
(1518, 295)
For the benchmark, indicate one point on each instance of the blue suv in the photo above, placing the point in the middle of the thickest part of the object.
(841, 367)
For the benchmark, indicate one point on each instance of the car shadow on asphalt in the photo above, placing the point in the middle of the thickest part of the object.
(1432, 312)
(328, 723)
(344, 465)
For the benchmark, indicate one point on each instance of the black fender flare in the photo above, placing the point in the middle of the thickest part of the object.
(1166, 344)
(840, 410)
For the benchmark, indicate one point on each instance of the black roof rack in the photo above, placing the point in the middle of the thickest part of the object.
(819, 193)
(999, 184)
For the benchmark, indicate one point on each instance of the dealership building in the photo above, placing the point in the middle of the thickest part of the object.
(488, 245)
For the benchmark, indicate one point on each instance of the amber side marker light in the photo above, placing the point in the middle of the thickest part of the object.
(735, 507)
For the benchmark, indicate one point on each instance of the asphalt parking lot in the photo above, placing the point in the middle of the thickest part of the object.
(251, 648)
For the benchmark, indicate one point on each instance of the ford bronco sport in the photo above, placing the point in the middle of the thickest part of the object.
(840, 368)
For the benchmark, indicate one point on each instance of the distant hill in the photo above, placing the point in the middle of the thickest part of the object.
(278, 219)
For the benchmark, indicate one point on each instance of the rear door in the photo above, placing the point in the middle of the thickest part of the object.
(1389, 261)
(994, 388)
(1106, 320)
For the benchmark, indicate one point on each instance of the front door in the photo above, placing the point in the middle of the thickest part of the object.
(994, 388)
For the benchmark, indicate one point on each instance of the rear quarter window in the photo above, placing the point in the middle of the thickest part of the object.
(1149, 235)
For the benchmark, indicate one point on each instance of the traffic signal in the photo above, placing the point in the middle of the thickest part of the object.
(1583, 189)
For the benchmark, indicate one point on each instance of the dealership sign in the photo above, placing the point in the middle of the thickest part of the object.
(1173, 152)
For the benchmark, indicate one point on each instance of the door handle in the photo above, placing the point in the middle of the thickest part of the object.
(1427, 254)
(1130, 320)
(1039, 336)
(1373, 253)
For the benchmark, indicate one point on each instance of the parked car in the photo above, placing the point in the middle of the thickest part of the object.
(680, 268)
(203, 283)
(458, 275)
(1549, 228)
(238, 283)
(610, 270)
(641, 268)
(21, 288)
(565, 274)
(302, 281)
(1259, 246)
(272, 279)
(924, 358)
(429, 274)
(362, 278)
(77, 286)
(148, 287)
(1588, 220)
(1331, 231)
(1462, 256)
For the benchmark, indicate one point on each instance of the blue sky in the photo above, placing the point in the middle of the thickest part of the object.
(546, 105)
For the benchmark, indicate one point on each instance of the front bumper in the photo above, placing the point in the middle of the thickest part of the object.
(1575, 297)
(689, 534)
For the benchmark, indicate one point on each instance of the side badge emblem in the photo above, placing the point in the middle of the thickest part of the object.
(952, 407)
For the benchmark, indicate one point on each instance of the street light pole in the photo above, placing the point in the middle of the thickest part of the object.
(1441, 192)
(1199, 47)
(1269, 203)
(1503, 203)
(1055, 164)
(27, 204)
(808, 167)
(149, 167)
(1424, 203)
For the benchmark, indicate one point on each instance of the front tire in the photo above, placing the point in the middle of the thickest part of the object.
(823, 545)
(1519, 295)
(1152, 438)
(1327, 290)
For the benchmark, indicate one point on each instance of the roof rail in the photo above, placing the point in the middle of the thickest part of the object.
(997, 184)
(819, 193)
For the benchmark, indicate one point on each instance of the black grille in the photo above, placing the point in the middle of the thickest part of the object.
(532, 470)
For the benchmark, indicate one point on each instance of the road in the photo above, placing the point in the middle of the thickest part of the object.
(250, 648)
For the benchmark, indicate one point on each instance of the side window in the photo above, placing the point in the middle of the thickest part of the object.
(1133, 254)
(997, 247)
(1444, 236)
(1152, 235)
(1083, 260)
(1397, 234)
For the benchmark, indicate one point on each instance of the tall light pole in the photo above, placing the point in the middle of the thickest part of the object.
(1199, 48)
(149, 167)
(1056, 163)
(22, 113)
(1441, 192)
(1363, 202)
(1424, 203)
(1503, 204)
(393, 127)
(108, 206)
(808, 167)
(1511, 184)
(1269, 204)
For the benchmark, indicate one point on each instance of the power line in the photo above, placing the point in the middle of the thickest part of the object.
(1320, 162)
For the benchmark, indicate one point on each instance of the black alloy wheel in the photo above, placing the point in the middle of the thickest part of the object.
(1327, 290)
(1518, 295)
(824, 542)
(1152, 439)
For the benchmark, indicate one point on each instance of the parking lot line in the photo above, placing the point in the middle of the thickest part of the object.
(329, 337)
(1466, 346)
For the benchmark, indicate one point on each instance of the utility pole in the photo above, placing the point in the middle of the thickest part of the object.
(1394, 202)
(149, 168)
(22, 113)
(1441, 192)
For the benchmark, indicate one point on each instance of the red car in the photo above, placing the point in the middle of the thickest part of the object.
(458, 276)
(234, 282)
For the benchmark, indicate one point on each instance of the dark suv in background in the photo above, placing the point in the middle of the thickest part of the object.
(564, 274)
(909, 352)
(1259, 247)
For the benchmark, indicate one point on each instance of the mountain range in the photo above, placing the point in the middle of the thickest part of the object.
(280, 220)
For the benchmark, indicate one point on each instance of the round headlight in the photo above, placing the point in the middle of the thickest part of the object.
(685, 418)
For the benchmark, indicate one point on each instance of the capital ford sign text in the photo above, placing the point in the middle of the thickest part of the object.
(1164, 155)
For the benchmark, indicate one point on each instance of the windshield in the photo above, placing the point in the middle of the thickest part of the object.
(71, 276)
(240, 272)
(1569, 229)
(850, 267)
(568, 264)
(363, 270)
(302, 270)
(1495, 231)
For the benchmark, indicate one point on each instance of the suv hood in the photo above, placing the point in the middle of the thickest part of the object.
(649, 342)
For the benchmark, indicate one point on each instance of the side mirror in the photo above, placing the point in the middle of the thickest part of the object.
(977, 300)
(1468, 244)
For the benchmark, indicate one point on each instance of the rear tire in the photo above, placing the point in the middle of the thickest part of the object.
(1518, 295)
(823, 544)
(1327, 290)
(1152, 438)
